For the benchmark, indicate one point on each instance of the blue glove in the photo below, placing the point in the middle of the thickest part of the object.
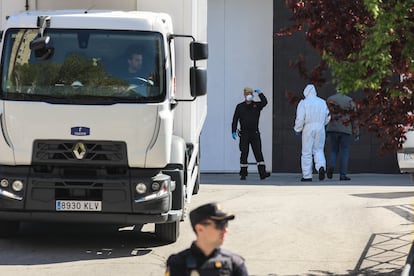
(258, 91)
(234, 135)
(297, 133)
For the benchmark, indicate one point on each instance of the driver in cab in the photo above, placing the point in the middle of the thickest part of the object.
(135, 61)
(138, 76)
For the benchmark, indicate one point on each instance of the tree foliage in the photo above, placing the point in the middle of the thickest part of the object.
(367, 45)
(43, 77)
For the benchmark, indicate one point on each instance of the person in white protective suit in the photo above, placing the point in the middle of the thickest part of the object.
(312, 115)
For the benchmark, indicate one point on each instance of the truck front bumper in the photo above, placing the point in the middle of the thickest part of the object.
(118, 195)
(89, 217)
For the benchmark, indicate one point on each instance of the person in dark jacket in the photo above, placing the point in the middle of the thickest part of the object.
(247, 113)
(340, 129)
(205, 257)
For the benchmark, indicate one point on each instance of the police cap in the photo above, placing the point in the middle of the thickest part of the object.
(210, 211)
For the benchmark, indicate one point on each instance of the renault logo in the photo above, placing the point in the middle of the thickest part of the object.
(79, 150)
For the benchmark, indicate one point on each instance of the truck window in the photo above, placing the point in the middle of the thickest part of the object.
(85, 66)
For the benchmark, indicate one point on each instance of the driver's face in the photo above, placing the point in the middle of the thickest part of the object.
(135, 63)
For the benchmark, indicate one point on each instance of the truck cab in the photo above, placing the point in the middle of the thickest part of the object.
(87, 113)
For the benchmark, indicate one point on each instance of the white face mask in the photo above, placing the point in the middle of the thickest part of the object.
(249, 97)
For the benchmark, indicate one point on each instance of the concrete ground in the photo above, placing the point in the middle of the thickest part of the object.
(282, 227)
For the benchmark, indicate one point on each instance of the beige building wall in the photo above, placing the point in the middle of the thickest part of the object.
(240, 36)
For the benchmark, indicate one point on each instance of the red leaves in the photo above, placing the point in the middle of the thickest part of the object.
(339, 28)
(331, 25)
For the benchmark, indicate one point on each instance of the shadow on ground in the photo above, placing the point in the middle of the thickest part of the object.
(385, 254)
(48, 243)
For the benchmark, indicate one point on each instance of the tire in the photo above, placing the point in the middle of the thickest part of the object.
(9, 228)
(168, 232)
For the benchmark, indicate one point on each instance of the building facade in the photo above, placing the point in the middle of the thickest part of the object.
(243, 51)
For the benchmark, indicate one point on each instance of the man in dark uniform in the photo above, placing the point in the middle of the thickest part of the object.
(248, 114)
(205, 257)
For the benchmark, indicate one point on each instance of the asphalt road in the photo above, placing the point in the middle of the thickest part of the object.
(282, 227)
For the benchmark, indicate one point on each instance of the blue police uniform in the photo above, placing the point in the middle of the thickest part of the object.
(219, 263)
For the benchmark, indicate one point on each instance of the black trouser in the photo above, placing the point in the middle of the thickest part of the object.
(251, 138)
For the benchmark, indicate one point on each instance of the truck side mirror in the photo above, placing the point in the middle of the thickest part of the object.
(198, 75)
(198, 81)
(41, 47)
(198, 50)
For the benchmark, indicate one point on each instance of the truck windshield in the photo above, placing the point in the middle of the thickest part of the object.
(84, 66)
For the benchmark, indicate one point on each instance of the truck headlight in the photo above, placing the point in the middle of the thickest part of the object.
(17, 185)
(155, 186)
(141, 188)
(4, 183)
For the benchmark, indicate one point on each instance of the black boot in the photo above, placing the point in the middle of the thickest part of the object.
(321, 173)
(329, 172)
(262, 171)
(243, 173)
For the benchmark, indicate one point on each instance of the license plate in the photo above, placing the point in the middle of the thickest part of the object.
(408, 156)
(78, 205)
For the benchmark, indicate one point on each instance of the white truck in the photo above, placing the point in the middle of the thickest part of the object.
(85, 140)
(405, 156)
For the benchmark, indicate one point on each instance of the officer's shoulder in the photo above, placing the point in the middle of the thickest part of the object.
(178, 258)
(235, 257)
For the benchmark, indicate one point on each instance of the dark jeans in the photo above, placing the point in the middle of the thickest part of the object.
(339, 146)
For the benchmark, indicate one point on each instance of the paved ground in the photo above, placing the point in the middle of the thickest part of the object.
(288, 179)
(358, 227)
(282, 227)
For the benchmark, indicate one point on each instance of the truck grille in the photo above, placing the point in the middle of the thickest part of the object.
(79, 152)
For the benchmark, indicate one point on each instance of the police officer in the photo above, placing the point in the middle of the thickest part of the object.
(248, 114)
(205, 257)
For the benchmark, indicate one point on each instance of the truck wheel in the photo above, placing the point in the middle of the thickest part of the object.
(9, 228)
(168, 232)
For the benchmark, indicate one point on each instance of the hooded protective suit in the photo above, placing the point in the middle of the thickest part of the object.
(312, 115)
